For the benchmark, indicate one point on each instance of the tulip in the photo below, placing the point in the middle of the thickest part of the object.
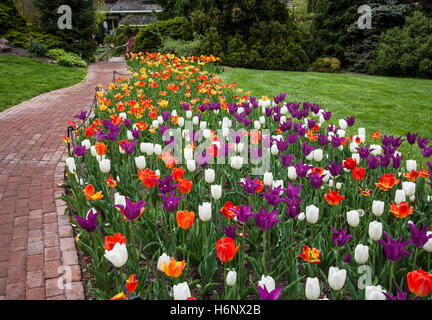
(312, 289)
(292, 173)
(420, 282)
(318, 155)
(268, 178)
(105, 165)
(174, 268)
(375, 230)
(195, 120)
(400, 196)
(361, 254)
(205, 211)
(216, 191)
(181, 122)
(411, 165)
(86, 144)
(312, 214)
(70, 163)
(301, 216)
(374, 293)
(93, 151)
(157, 149)
(185, 219)
(147, 148)
(343, 124)
(274, 149)
(428, 245)
(336, 278)
(118, 255)
(267, 282)
(181, 291)
(231, 278)
(209, 176)
(191, 165)
(140, 162)
(237, 162)
(409, 188)
(377, 208)
(226, 249)
(189, 114)
(164, 258)
(353, 218)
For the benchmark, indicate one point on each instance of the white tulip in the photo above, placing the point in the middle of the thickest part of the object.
(188, 114)
(203, 125)
(216, 191)
(353, 146)
(331, 183)
(268, 178)
(375, 293)
(318, 155)
(195, 120)
(310, 156)
(353, 218)
(301, 216)
(377, 149)
(339, 185)
(377, 207)
(292, 173)
(147, 148)
(206, 133)
(105, 165)
(375, 230)
(118, 255)
(312, 214)
(160, 120)
(262, 120)
(130, 135)
(428, 245)
(70, 164)
(336, 278)
(409, 187)
(209, 176)
(155, 124)
(123, 115)
(237, 162)
(93, 151)
(274, 149)
(140, 162)
(205, 211)
(411, 165)
(312, 289)
(191, 165)
(231, 278)
(188, 154)
(361, 254)
(121, 150)
(277, 184)
(343, 124)
(119, 199)
(164, 258)
(361, 131)
(181, 122)
(356, 156)
(86, 144)
(267, 282)
(181, 291)
(157, 149)
(400, 196)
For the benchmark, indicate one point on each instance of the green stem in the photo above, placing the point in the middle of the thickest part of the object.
(264, 252)
(133, 242)
(415, 258)
(391, 277)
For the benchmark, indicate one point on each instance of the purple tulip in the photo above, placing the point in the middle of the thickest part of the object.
(133, 210)
(373, 162)
(165, 185)
(272, 196)
(287, 160)
(400, 295)
(327, 115)
(293, 207)
(336, 141)
(347, 258)
(244, 213)
(282, 145)
(230, 232)
(335, 168)
(307, 149)
(127, 123)
(364, 152)
(340, 238)
(166, 116)
(394, 249)
(323, 140)
(411, 137)
(291, 139)
(422, 143)
(291, 191)
(302, 169)
(396, 161)
(427, 152)
(90, 222)
(350, 121)
(249, 185)
(82, 116)
(265, 295)
(128, 148)
(285, 126)
(419, 237)
(171, 202)
(316, 180)
(80, 151)
(266, 220)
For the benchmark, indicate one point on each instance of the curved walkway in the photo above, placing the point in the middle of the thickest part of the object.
(36, 238)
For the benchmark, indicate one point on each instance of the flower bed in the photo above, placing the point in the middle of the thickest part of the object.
(194, 189)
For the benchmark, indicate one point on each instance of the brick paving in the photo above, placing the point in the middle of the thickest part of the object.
(36, 238)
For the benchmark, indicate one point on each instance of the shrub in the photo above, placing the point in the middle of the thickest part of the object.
(55, 53)
(180, 48)
(38, 49)
(328, 65)
(405, 51)
(70, 59)
(21, 38)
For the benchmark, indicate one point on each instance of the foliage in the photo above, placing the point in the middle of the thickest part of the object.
(70, 59)
(121, 36)
(181, 48)
(328, 65)
(38, 49)
(405, 51)
(149, 38)
(10, 18)
(22, 38)
(79, 39)
(55, 53)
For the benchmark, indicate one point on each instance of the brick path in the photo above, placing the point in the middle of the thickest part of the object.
(36, 238)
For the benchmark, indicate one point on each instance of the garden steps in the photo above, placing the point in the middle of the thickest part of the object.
(37, 240)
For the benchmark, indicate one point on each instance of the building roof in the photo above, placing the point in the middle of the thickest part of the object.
(134, 6)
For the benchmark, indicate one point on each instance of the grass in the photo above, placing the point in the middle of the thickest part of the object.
(390, 105)
(24, 78)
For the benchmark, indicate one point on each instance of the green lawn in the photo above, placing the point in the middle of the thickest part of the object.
(24, 78)
(390, 105)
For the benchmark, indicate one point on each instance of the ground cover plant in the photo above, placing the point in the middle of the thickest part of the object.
(191, 188)
(36, 76)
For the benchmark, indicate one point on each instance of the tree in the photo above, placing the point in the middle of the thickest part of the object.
(79, 39)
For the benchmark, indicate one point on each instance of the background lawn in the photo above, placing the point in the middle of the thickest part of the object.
(391, 105)
(24, 78)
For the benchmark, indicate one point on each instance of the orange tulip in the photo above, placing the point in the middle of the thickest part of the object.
(333, 198)
(376, 135)
(402, 210)
(185, 219)
(100, 148)
(226, 249)
(111, 182)
(365, 193)
(174, 268)
(90, 193)
(358, 174)
(178, 173)
(412, 176)
(424, 174)
(260, 186)
(148, 177)
(227, 212)
(110, 241)
(131, 285)
(419, 282)
(310, 255)
(185, 186)
(387, 182)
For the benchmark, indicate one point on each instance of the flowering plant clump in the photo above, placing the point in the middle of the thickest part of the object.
(187, 178)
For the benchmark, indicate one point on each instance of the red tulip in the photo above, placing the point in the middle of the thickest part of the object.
(358, 174)
(333, 198)
(420, 282)
(226, 249)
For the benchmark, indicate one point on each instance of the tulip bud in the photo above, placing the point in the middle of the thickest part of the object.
(353, 218)
(274, 149)
(206, 133)
(130, 135)
(312, 289)
(209, 175)
(409, 188)
(292, 173)
(312, 214)
(140, 162)
(163, 258)
(336, 278)
(411, 165)
(195, 120)
(231, 278)
(105, 165)
(157, 149)
(191, 165)
(268, 178)
(400, 196)
(188, 114)
(376, 149)
(375, 230)
(318, 155)
(428, 245)
(155, 124)
(188, 153)
(361, 254)
(375, 293)
(343, 124)
(237, 162)
(181, 291)
(216, 191)
(339, 185)
(267, 282)
(301, 216)
(118, 255)
(119, 199)
(262, 120)
(181, 122)
(86, 144)
(205, 211)
(70, 163)
(377, 207)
